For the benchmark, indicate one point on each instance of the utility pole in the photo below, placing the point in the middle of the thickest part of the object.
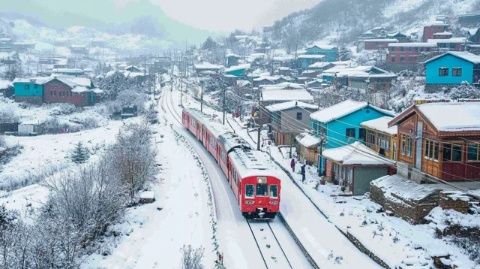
(258, 136)
(224, 103)
(201, 98)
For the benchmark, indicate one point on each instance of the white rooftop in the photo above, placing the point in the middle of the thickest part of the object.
(307, 140)
(413, 44)
(340, 110)
(461, 116)
(355, 154)
(448, 40)
(381, 124)
(289, 105)
(286, 95)
(207, 66)
(467, 56)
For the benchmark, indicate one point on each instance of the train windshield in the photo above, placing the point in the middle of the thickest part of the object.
(249, 191)
(273, 191)
(261, 189)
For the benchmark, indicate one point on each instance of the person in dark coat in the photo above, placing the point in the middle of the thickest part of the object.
(292, 164)
(302, 172)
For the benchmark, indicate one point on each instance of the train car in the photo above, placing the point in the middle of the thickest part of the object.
(251, 174)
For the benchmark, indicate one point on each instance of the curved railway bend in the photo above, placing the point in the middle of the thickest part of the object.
(245, 244)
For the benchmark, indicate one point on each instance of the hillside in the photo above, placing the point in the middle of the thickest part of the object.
(341, 21)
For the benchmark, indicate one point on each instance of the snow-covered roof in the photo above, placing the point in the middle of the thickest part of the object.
(237, 67)
(413, 44)
(36, 80)
(319, 65)
(286, 95)
(74, 81)
(381, 124)
(283, 86)
(465, 55)
(451, 117)
(311, 56)
(363, 71)
(405, 189)
(448, 40)
(355, 154)
(289, 105)
(342, 109)
(5, 84)
(390, 40)
(251, 162)
(207, 66)
(307, 140)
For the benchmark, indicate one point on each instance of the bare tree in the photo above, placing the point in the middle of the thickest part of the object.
(192, 258)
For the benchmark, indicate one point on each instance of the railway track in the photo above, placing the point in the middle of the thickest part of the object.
(268, 245)
(265, 236)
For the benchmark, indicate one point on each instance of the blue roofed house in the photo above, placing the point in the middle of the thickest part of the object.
(238, 71)
(330, 52)
(451, 69)
(339, 125)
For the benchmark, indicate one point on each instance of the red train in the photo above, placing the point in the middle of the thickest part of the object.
(250, 173)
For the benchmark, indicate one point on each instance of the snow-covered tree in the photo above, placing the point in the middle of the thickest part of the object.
(192, 258)
(80, 154)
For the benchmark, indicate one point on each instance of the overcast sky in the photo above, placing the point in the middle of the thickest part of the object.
(213, 15)
(226, 15)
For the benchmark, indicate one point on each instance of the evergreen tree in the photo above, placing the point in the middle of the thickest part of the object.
(80, 154)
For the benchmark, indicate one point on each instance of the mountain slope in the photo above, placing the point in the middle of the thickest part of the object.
(341, 21)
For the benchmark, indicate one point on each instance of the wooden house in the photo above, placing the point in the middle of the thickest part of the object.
(72, 90)
(451, 69)
(289, 119)
(307, 147)
(380, 137)
(408, 55)
(441, 140)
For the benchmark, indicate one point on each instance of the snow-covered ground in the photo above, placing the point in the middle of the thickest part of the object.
(152, 235)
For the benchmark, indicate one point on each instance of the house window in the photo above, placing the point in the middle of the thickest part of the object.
(350, 132)
(457, 72)
(443, 71)
(370, 139)
(406, 145)
(431, 150)
(473, 153)
(299, 115)
(452, 152)
(393, 59)
(383, 142)
(362, 134)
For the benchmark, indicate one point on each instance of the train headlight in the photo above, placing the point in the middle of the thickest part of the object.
(249, 202)
(261, 180)
(273, 202)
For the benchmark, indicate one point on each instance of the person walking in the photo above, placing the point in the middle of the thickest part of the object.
(292, 165)
(302, 171)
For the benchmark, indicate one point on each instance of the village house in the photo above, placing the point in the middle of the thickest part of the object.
(289, 119)
(408, 55)
(381, 138)
(450, 44)
(452, 69)
(442, 35)
(307, 148)
(435, 27)
(366, 78)
(440, 140)
(376, 44)
(330, 52)
(399, 36)
(339, 125)
(232, 60)
(72, 90)
(354, 166)
(207, 68)
(305, 60)
(29, 90)
(279, 93)
(238, 71)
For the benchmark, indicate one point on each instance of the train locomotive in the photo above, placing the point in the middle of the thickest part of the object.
(252, 176)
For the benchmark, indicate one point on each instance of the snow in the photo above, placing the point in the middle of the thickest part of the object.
(5, 84)
(307, 140)
(355, 154)
(237, 67)
(269, 94)
(290, 105)
(207, 66)
(443, 218)
(150, 195)
(283, 86)
(460, 116)
(448, 40)
(381, 124)
(311, 56)
(404, 188)
(413, 44)
(467, 56)
(390, 40)
(340, 110)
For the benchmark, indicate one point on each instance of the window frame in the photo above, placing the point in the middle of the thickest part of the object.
(253, 191)
(450, 147)
(406, 148)
(477, 146)
(348, 132)
(443, 71)
(457, 71)
(299, 114)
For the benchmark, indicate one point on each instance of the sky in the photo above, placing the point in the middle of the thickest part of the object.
(212, 15)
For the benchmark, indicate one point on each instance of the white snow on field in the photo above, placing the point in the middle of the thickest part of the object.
(153, 238)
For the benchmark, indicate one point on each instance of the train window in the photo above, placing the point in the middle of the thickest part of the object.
(261, 189)
(249, 190)
(273, 191)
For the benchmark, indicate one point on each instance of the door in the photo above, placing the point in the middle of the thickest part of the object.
(418, 145)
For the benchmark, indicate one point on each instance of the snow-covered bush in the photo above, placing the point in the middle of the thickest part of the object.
(63, 109)
(192, 258)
